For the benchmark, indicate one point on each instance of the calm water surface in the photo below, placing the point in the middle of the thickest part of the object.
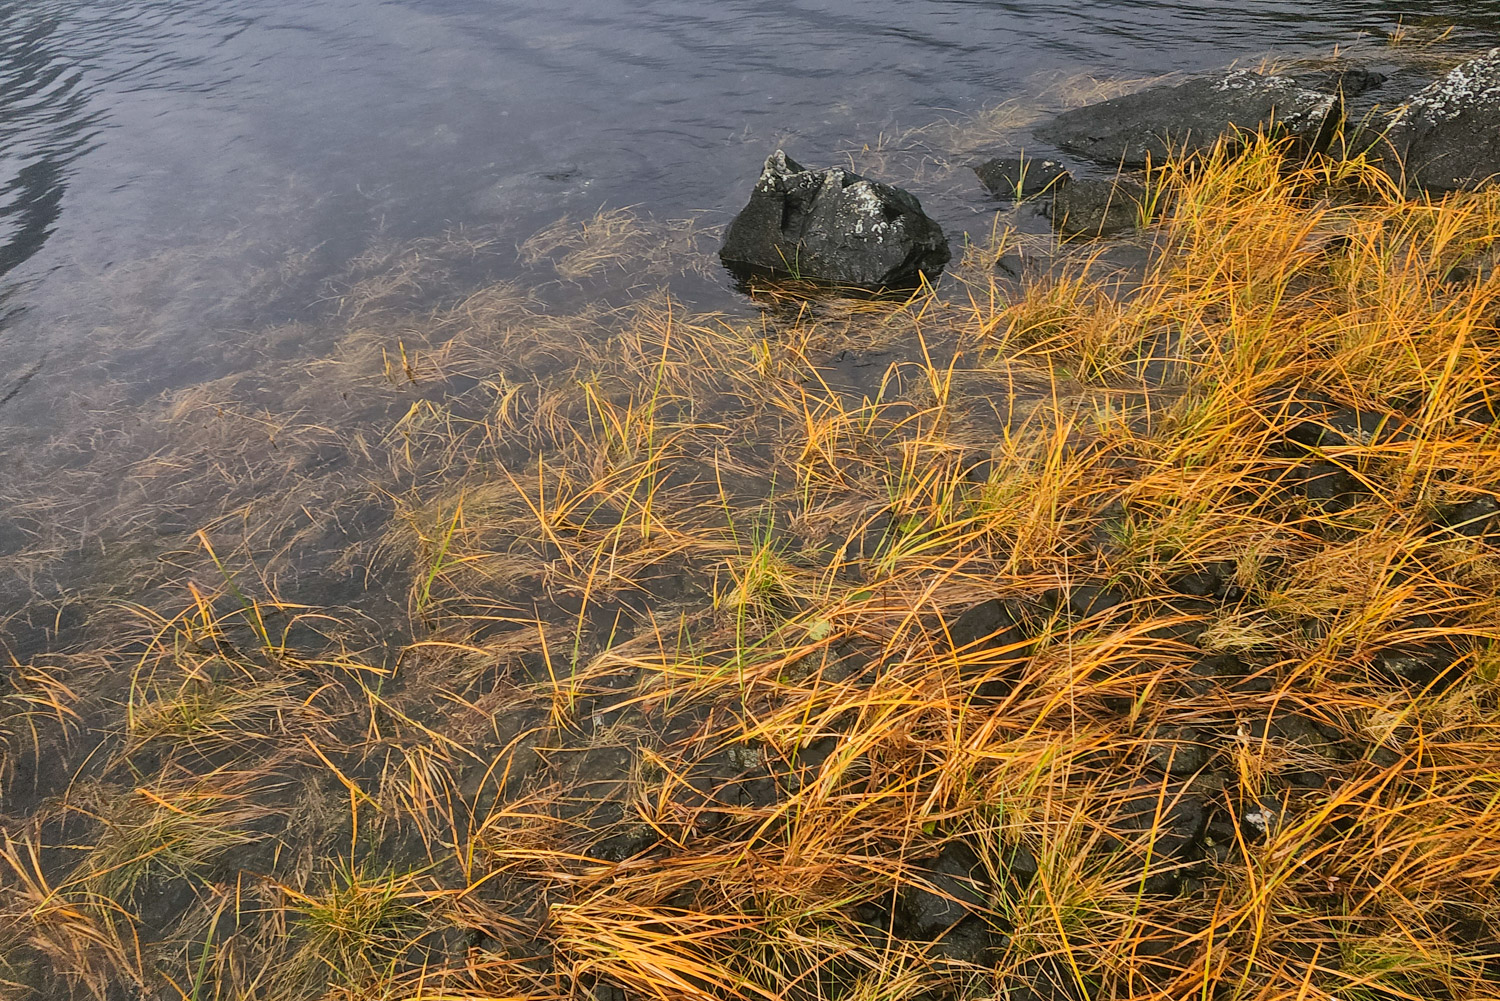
(128, 127)
(219, 138)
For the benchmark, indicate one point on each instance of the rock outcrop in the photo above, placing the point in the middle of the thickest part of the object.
(1448, 136)
(835, 227)
(1189, 118)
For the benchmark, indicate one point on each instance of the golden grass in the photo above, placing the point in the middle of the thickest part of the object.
(679, 697)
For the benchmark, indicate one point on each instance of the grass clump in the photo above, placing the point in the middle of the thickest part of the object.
(1113, 636)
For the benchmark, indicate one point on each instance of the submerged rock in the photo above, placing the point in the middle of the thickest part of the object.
(1089, 207)
(1448, 135)
(1189, 118)
(1018, 177)
(834, 226)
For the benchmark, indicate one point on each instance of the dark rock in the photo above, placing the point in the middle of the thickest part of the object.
(970, 941)
(1477, 519)
(1090, 207)
(1021, 865)
(1083, 600)
(1448, 136)
(1331, 485)
(958, 887)
(626, 844)
(836, 227)
(1220, 838)
(1260, 819)
(1330, 426)
(1216, 580)
(1225, 671)
(990, 625)
(1174, 825)
(1189, 118)
(1299, 729)
(1351, 81)
(1018, 177)
(1179, 750)
(1416, 665)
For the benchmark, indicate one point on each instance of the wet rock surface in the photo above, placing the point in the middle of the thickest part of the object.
(1018, 177)
(1189, 118)
(834, 227)
(1092, 207)
(1448, 135)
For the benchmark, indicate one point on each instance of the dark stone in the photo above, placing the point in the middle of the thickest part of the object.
(1332, 486)
(1083, 600)
(1021, 865)
(970, 941)
(1296, 728)
(1350, 81)
(1260, 819)
(1176, 824)
(1416, 665)
(1448, 136)
(1225, 671)
(989, 625)
(1220, 840)
(1477, 519)
(1331, 426)
(626, 844)
(1189, 118)
(1181, 750)
(836, 227)
(959, 886)
(1018, 177)
(1091, 207)
(1216, 580)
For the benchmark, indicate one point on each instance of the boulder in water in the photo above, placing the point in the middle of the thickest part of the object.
(836, 227)
(1189, 118)
(1448, 135)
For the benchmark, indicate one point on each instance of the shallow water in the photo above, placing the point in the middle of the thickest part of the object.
(178, 177)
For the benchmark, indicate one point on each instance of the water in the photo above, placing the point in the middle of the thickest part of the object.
(160, 158)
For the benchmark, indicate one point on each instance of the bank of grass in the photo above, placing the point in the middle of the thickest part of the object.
(689, 696)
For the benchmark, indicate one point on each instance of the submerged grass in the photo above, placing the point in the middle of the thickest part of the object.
(1090, 637)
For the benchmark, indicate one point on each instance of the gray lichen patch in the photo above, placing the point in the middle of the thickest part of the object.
(1471, 84)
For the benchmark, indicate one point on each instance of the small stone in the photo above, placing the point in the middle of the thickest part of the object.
(1018, 177)
(958, 884)
(1090, 207)
(987, 625)
(1179, 750)
(1415, 665)
(1177, 823)
(1261, 820)
(1228, 672)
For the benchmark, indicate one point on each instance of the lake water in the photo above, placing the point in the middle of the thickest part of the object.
(158, 158)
